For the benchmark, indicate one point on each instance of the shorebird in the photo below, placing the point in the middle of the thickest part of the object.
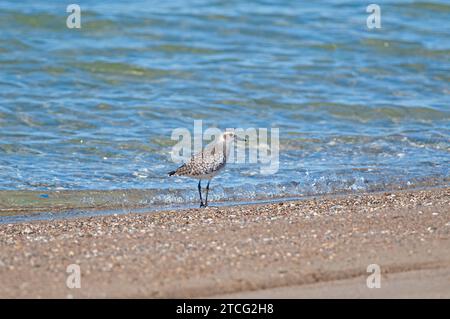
(207, 163)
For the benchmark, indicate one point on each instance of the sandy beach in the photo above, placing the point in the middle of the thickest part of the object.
(317, 247)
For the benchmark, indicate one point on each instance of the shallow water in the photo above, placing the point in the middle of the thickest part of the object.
(90, 111)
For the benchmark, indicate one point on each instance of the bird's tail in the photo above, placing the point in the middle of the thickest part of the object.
(172, 173)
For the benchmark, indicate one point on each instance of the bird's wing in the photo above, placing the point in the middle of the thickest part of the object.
(208, 160)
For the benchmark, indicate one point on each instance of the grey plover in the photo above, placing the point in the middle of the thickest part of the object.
(207, 163)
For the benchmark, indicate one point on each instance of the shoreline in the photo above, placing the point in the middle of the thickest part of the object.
(20, 215)
(242, 251)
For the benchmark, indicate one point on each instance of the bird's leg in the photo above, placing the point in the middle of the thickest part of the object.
(207, 191)
(200, 193)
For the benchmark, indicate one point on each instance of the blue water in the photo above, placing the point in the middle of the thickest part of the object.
(94, 108)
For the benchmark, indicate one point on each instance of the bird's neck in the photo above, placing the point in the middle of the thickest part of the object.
(227, 149)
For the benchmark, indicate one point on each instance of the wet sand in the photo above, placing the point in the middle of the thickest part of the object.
(313, 248)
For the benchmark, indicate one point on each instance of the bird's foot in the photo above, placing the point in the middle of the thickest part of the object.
(202, 205)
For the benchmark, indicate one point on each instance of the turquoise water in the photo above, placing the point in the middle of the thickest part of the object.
(94, 108)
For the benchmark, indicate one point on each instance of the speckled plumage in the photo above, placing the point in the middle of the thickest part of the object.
(206, 164)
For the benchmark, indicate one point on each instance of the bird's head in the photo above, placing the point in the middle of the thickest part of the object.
(230, 136)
